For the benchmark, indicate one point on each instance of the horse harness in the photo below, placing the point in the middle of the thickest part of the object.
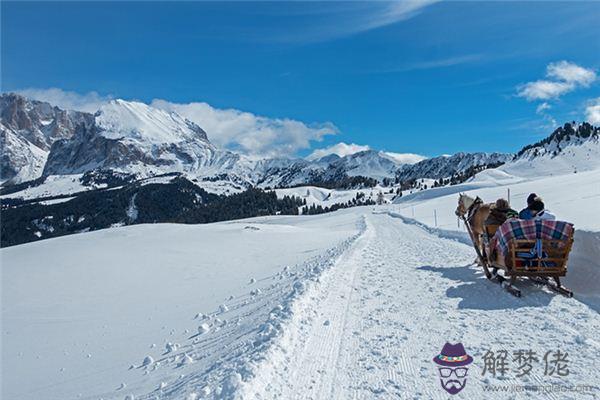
(473, 208)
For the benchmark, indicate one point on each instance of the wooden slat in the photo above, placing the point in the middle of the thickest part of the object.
(558, 251)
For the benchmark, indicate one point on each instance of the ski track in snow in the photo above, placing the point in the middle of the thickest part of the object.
(236, 346)
(373, 323)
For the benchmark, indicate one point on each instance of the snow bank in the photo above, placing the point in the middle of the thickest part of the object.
(583, 275)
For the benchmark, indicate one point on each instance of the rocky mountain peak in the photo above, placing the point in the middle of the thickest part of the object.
(571, 133)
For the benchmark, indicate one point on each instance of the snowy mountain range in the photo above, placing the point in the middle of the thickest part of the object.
(68, 172)
(445, 166)
(135, 138)
(41, 140)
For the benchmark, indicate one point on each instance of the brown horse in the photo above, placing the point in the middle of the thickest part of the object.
(475, 212)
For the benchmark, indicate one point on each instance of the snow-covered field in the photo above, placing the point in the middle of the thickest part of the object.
(572, 197)
(351, 304)
(328, 197)
(78, 311)
(327, 306)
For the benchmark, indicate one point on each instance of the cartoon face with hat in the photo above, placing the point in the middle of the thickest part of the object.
(452, 362)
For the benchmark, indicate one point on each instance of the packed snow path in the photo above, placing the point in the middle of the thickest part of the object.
(371, 326)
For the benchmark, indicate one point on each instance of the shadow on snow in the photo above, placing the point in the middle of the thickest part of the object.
(477, 293)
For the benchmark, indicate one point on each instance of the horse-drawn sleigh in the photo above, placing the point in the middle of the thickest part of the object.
(535, 249)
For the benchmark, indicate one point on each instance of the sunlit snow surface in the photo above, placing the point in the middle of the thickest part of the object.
(78, 311)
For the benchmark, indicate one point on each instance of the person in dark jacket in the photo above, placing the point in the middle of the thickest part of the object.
(500, 212)
(538, 209)
(527, 213)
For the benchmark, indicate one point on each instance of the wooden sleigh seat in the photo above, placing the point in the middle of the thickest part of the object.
(548, 260)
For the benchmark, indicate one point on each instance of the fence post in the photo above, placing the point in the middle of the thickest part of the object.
(508, 195)
(413, 211)
(435, 216)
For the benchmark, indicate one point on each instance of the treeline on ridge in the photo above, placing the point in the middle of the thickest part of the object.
(179, 201)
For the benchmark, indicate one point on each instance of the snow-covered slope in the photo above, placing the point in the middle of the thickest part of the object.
(328, 197)
(78, 311)
(145, 125)
(374, 164)
(20, 160)
(572, 197)
(569, 149)
(446, 166)
(564, 169)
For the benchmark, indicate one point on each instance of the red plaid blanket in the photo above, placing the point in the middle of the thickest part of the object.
(515, 228)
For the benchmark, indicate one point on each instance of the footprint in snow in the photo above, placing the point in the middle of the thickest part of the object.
(148, 360)
(204, 328)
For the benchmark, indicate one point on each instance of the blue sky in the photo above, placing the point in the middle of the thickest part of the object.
(419, 77)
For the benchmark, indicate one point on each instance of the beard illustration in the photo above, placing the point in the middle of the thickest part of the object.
(452, 385)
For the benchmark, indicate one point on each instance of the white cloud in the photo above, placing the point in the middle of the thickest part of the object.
(570, 72)
(240, 131)
(432, 64)
(592, 111)
(547, 121)
(89, 102)
(250, 134)
(405, 158)
(341, 149)
(334, 20)
(544, 90)
(563, 77)
(393, 12)
(542, 107)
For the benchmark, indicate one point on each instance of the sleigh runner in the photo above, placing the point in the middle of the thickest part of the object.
(535, 249)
